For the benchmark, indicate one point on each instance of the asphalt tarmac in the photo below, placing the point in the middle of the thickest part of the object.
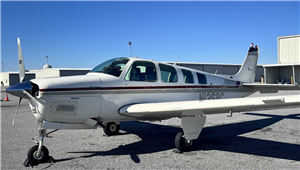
(253, 140)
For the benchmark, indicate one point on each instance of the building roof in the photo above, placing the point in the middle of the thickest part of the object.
(289, 36)
(16, 72)
(281, 65)
(215, 64)
(71, 69)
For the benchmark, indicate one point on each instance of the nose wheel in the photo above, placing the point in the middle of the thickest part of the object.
(111, 129)
(37, 157)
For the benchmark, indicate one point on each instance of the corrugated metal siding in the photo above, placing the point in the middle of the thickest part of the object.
(13, 79)
(297, 74)
(289, 49)
(47, 73)
(272, 75)
(230, 70)
(213, 68)
(73, 72)
(29, 76)
(222, 69)
(259, 73)
(285, 73)
(193, 66)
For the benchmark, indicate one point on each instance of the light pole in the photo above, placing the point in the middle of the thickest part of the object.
(2, 67)
(130, 47)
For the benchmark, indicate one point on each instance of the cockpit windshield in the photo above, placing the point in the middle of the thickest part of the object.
(112, 67)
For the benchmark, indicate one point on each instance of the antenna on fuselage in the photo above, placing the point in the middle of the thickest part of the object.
(130, 47)
(176, 60)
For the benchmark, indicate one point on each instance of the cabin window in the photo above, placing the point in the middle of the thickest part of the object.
(112, 67)
(142, 71)
(168, 73)
(201, 78)
(187, 76)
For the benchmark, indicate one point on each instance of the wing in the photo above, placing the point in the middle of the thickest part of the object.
(205, 107)
(272, 88)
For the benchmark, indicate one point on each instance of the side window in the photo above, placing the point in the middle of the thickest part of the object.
(187, 76)
(201, 78)
(142, 71)
(168, 73)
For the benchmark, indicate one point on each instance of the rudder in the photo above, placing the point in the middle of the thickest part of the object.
(248, 68)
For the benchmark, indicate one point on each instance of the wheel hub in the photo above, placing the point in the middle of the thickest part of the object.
(38, 156)
(113, 128)
(188, 142)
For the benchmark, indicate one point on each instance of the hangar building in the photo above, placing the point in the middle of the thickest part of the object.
(225, 69)
(288, 68)
(11, 78)
(60, 72)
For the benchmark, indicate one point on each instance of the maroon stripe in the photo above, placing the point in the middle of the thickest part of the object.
(135, 88)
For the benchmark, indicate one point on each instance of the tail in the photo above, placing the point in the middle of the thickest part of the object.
(248, 69)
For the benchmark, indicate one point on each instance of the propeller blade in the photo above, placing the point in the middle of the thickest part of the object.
(17, 111)
(21, 62)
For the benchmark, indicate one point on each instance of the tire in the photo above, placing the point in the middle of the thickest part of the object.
(182, 144)
(111, 129)
(32, 155)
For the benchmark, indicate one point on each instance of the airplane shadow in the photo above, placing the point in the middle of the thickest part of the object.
(156, 138)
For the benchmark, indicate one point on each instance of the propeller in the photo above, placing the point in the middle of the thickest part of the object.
(21, 73)
(21, 62)
(17, 111)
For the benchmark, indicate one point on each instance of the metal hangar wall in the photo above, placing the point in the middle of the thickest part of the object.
(287, 71)
(11, 78)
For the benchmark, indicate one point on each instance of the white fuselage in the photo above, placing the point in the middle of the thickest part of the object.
(99, 96)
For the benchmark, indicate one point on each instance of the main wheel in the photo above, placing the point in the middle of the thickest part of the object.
(33, 156)
(182, 144)
(111, 129)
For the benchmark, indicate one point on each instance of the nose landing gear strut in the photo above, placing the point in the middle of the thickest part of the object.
(39, 153)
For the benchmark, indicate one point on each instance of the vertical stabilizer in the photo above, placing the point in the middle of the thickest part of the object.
(248, 69)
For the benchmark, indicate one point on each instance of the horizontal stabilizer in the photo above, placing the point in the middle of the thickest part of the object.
(272, 88)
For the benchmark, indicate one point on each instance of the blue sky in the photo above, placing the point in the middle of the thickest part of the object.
(84, 34)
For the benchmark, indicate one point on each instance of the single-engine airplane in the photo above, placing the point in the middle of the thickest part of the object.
(129, 89)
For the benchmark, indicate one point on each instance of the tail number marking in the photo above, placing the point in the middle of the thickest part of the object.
(209, 96)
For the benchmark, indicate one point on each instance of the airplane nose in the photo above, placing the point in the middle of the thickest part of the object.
(17, 89)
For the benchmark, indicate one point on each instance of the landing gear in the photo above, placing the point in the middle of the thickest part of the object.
(182, 144)
(38, 153)
(111, 129)
(192, 127)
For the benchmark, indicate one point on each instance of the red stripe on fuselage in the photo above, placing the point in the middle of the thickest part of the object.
(134, 88)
